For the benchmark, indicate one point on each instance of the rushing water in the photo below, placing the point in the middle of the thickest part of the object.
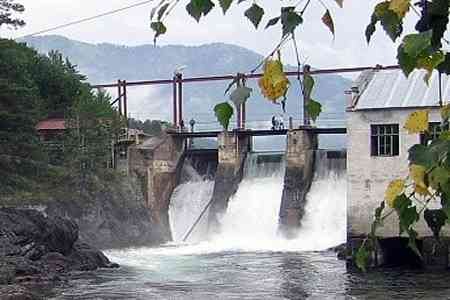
(247, 259)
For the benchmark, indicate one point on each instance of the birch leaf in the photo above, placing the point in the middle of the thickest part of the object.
(394, 189)
(400, 7)
(417, 122)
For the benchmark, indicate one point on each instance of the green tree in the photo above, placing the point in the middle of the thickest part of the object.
(92, 126)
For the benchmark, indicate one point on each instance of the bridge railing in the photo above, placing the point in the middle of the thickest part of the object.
(176, 88)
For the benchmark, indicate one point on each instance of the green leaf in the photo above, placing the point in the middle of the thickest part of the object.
(445, 200)
(290, 19)
(407, 63)
(328, 21)
(199, 8)
(272, 22)
(438, 177)
(223, 112)
(412, 242)
(420, 155)
(362, 258)
(435, 18)
(255, 14)
(429, 63)
(308, 84)
(371, 28)
(444, 67)
(159, 28)
(407, 213)
(314, 109)
(225, 4)
(415, 44)
(240, 95)
(390, 21)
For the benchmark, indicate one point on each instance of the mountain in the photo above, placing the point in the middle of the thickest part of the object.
(106, 63)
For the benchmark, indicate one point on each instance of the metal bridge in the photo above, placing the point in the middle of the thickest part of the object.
(177, 102)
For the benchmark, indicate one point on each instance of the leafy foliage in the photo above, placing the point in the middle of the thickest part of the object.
(223, 112)
(32, 88)
(274, 83)
(314, 109)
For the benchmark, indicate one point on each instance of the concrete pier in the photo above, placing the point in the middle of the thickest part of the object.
(233, 149)
(300, 152)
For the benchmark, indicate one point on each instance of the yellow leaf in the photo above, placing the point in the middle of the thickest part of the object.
(274, 83)
(394, 189)
(445, 111)
(417, 121)
(417, 174)
(400, 7)
(421, 190)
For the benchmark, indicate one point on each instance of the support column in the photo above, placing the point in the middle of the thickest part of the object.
(125, 105)
(300, 153)
(175, 109)
(306, 97)
(232, 153)
(119, 95)
(243, 115)
(180, 99)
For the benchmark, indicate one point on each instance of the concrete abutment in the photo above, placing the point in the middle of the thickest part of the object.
(232, 152)
(157, 166)
(300, 156)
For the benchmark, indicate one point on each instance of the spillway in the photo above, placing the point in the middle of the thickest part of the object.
(251, 220)
(187, 201)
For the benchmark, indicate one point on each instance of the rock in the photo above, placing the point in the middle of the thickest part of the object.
(35, 249)
(88, 258)
(17, 293)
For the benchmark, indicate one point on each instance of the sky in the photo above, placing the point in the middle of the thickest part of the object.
(132, 27)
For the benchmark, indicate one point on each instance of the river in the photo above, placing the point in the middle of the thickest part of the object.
(247, 259)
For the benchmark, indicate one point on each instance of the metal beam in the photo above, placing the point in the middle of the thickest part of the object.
(206, 134)
(253, 75)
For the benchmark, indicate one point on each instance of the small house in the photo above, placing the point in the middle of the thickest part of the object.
(377, 150)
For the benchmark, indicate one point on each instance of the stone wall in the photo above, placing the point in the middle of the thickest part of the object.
(156, 164)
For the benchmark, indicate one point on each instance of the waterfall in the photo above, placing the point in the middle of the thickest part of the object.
(187, 201)
(251, 220)
(325, 222)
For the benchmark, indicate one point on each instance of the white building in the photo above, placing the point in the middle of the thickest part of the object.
(378, 145)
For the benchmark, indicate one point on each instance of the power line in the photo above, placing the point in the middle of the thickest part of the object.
(86, 19)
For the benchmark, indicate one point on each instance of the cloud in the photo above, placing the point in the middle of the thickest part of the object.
(132, 28)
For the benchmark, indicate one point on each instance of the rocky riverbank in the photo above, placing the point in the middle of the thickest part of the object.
(36, 250)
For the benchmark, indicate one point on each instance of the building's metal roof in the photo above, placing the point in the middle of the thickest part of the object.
(392, 89)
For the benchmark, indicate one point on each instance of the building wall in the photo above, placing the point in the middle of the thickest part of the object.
(368, 177)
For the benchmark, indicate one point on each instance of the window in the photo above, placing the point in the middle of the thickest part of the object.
(433, 133)
(384, 140)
